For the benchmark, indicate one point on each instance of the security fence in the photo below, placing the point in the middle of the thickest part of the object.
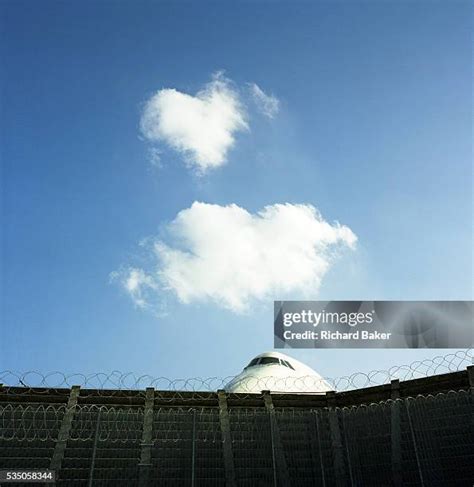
(115, 382)
(426, 440)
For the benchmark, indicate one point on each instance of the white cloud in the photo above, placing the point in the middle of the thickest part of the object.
(201, 127)
(269, 105)
(137, 283)
(226, 255)
(154, 156)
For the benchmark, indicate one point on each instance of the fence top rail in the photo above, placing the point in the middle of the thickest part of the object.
(18, 413)
(172, 399)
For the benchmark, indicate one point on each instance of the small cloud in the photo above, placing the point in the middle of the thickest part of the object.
(154, 156)
(232, 258)
(201, 127)
(137, 283)
(269, 105)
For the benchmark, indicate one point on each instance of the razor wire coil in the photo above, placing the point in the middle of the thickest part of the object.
(116, 382)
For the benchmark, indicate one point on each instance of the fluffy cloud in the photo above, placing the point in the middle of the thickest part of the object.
(137, 283)
(269, 105)
(231, 257)
(201, 127)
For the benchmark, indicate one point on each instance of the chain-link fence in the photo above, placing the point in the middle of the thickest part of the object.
(426, 440)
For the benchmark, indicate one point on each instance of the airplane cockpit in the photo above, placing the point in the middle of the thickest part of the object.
(269, 361)
(277, 372)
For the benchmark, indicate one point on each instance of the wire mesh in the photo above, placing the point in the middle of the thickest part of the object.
(252, 446)
(421, 441)
(187, 446)
(436, 442)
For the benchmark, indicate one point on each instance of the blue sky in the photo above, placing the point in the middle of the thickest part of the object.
(373, 130)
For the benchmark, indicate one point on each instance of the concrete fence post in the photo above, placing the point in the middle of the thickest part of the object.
(64, 431)
(396, 433)
(336, 440)
(147, 442)
(224, 419)
(281, 476)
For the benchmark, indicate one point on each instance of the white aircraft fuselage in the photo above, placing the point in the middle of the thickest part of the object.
(277, 372)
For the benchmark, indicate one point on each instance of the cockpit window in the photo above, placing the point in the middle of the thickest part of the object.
(269, 360)
(287, 364)
(253, 362)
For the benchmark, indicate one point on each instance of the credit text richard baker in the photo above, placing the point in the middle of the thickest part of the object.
(323, 317)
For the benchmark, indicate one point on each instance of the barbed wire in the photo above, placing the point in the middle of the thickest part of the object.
(37, 422)
(116, 382)
(30, 422)
(107, 423)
